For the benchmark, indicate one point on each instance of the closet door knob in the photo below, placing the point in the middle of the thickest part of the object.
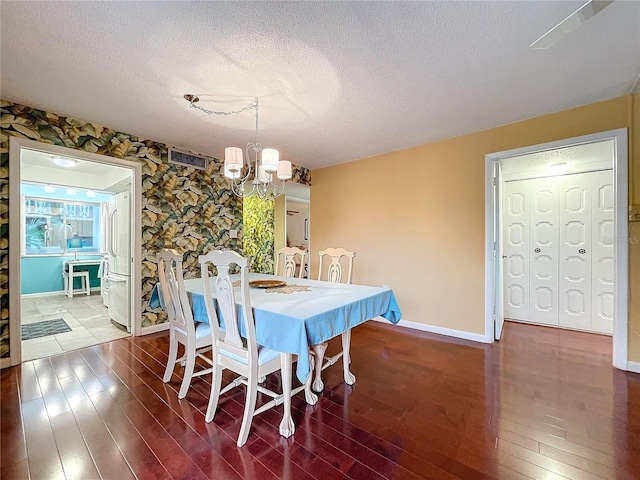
(537, 250)
(582, 251)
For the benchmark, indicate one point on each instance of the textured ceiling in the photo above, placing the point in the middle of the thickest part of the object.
(337, 81)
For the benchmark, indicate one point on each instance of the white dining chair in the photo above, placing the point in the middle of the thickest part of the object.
(334, 270)
(195, 337)
(239, 353)
(289, 254)
(334, 275)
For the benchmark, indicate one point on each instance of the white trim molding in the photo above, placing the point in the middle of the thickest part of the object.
(633, 367)
(448, 332)
(621, 221)
(161, 327)
(58, 293)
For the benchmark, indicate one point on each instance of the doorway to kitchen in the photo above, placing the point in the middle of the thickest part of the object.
(292, 221)
(297, 227)
(73, 224)
(556, 237)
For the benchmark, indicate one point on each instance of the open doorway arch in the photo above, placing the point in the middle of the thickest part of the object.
(493, 255)
(16, 146)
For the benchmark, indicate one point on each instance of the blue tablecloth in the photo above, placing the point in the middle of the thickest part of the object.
(293, 322)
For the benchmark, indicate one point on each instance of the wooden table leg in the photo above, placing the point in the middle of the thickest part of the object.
(287, 428)
(318, 353)
(309, 396)
(349, 377)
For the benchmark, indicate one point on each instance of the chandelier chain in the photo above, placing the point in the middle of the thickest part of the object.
(192, 104)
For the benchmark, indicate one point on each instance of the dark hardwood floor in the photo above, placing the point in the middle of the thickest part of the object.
(542, 404)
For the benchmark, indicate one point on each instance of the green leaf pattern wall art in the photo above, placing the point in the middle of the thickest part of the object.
(259, 224)
(183, 208)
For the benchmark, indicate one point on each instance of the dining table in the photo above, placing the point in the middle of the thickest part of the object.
(303, 313)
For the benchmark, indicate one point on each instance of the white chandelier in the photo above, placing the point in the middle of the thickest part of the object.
(258, 176)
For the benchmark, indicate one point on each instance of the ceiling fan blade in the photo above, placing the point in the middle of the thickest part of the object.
(569, 24)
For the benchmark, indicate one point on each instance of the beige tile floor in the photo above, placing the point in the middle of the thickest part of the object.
(86, 315)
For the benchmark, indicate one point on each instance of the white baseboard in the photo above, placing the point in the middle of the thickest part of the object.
(449, 332)
(5, 362)
(155, 328)
(56, 293)
(633, 367)
(43, 294)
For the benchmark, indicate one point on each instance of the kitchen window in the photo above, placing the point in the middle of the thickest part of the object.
(56, 227)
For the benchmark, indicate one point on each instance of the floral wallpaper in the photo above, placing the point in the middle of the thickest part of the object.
(183, 208)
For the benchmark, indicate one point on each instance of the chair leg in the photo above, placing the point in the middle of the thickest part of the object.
(188, 371)
(249, 408)
(173, 355)
(216, 381)
(318, 351)
(349, 377)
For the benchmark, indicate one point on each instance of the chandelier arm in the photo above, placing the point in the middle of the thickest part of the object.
(277, 190)
(270, 190)
(239, 190)
(256, 148)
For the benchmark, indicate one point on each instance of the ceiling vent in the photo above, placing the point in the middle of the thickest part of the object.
(187, 159)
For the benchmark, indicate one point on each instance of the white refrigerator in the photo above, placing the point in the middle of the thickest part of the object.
(119, 251)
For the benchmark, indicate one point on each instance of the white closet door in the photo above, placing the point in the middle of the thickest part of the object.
(602, 245)
(516, 250)
(575, 252)
(544, 217)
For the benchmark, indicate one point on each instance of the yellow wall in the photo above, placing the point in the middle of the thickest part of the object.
(415, 217)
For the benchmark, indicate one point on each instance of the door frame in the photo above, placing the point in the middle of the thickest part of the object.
(493, 270)
(498, 312)
(16, 145)
(292, 198)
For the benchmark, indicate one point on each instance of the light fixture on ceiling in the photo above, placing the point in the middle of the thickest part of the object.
(71, 191)
(559, 168)
(91, 194)
(64, 162)
(263, 174)
(49, 189)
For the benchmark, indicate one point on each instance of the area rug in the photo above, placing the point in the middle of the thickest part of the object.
(44, 329)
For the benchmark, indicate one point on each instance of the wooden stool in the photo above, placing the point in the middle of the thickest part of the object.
(83, 275)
